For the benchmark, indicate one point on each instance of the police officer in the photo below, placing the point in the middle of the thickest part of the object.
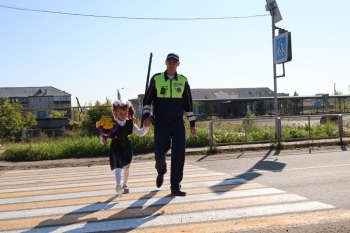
(170, 95)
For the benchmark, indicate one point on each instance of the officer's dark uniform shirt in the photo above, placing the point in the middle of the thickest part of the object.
(170, 98)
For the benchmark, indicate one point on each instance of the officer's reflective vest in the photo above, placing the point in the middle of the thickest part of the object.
(169, 88)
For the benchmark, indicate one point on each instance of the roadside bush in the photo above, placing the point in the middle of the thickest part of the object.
(261, 134)
(143, 144)
(250, 114)
(83, 147)
(74, 145)
(201, 140)
(288, 133)
(327, 130)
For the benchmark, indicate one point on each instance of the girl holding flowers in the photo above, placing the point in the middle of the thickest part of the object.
(121, 152)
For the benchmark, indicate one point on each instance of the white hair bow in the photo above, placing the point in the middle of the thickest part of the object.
(128, 103)
(116, 102)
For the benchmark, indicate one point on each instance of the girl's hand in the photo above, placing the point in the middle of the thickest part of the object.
(104, 141)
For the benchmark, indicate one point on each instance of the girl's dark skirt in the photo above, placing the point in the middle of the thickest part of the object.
(120, 154)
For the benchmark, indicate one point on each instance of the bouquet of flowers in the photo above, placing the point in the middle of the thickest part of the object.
(106, 127)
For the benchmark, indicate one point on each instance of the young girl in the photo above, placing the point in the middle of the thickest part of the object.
(121, 147)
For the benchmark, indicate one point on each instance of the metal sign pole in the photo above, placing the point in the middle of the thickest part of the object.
(274, 73)
(275, 17)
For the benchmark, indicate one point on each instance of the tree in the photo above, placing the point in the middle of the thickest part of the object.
(250, 114)
(340, 101)
(29, 120)
(298, 104)
(98, 103)
(207, 108)
(75, 115)
(57, 114)
(196, 106)
(260, 107)
(12, 121)
(94, 114)
(287, 106)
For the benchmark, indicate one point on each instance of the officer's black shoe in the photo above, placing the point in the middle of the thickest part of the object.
(159, 180)
(178, 192)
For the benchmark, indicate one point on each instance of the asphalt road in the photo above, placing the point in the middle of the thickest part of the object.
(261, 191)
(323, 177)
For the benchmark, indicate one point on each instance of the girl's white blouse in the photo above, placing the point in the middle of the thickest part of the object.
(139, 132)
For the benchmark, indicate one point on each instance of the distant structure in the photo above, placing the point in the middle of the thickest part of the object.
(233, 102)
(40, 101)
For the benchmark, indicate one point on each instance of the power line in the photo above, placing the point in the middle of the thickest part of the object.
(124, 17)
(137, 78)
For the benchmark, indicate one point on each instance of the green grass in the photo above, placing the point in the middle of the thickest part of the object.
(75, 145)
(233, 132)
(83, 147)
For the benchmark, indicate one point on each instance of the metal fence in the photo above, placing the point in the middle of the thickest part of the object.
(285, 128)
(30, 134)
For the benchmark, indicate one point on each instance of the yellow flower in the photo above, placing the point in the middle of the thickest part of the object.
(105, 122)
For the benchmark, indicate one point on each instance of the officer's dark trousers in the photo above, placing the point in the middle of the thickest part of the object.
(166, 133)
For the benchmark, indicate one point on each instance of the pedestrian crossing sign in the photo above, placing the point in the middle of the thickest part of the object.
(282, 48)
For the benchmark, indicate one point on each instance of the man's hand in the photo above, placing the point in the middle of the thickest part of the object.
(147, 122)
(193, 131)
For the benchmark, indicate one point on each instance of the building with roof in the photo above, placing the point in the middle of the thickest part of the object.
(231, 102)
(40, 101)
(227, 102)
(235, 102)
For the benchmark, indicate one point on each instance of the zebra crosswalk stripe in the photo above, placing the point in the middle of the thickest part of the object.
(64, 200)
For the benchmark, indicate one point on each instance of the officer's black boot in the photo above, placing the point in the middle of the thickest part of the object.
(159, 181)
(178, 192)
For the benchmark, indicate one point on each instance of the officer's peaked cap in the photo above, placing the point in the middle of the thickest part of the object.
(173, 56)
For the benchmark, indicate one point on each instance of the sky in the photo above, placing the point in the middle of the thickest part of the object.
(93, 57)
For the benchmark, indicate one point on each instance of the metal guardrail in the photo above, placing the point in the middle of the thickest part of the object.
(278, 124)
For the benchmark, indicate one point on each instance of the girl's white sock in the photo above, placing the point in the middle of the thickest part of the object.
(126, 176)
(118, 175)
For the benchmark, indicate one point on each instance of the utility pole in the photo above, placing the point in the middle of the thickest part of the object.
(147, 80)
(149, 70)
(81, 110)
(118, 94)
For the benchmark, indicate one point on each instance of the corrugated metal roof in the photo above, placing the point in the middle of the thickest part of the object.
(31, 91)
(228, 93)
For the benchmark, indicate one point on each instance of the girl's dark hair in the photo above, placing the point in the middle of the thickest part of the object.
(125, 107)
